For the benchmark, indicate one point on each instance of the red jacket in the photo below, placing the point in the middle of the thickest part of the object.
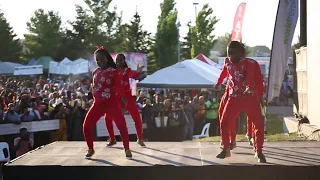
(124, 75)
(106, 84)
(247, 67)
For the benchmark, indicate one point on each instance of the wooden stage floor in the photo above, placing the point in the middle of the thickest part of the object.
(170, 153)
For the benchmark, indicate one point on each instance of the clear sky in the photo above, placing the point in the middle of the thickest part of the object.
(258, 23)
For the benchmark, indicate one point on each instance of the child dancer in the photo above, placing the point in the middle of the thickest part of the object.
(106, 82)
(125, 73)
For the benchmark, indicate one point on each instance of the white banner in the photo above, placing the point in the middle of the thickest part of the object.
(286, 21)
(66, 69)
(80, 68)
(28, 70)
(54, 67)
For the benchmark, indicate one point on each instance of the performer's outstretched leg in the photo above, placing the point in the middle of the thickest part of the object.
(134, 112)
(94, 114)
(112, 139)
(253, 112)
(115, 113)
(231, 111)
(233, 134)
(249, 134)
(222, 104)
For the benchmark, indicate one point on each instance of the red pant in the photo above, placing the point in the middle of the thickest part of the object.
(233, 129)
(132, 108)
(251, 107)
(96, 111)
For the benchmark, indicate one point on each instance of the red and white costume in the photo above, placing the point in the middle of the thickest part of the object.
(106, 82)
(241, 76)
(131, 105)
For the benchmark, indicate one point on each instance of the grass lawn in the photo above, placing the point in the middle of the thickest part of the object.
(274, 132)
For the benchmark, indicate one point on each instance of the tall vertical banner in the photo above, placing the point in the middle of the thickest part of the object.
(285, 25)
(237, 23)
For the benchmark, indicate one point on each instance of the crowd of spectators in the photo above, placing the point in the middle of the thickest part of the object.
(25, 99)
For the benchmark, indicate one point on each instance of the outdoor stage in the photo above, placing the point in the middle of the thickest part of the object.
(162, 160)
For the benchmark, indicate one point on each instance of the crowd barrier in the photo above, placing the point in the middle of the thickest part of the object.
(33, 126)
(102, 130)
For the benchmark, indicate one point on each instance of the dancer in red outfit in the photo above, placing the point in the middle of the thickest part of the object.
(259, 92)
(233, 128)
(131, 106)
(242, 97)
(259, 89)
(106, 82)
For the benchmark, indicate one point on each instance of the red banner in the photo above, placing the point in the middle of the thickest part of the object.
(237, 23)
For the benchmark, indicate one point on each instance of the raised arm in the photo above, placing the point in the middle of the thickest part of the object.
(223, 73)
(132, 74)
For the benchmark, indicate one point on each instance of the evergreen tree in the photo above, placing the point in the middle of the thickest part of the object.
(186, 44)
(10, 47)
(166, 41)
(137, 39)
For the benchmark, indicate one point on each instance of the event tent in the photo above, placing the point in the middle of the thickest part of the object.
(32, 62)
(66, 61)
(8, 67)
(79, 61)
(186, 74)
(205, 59)
(44, 61)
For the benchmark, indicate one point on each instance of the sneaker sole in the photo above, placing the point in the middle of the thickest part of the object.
(260, 160)
(111, 145)
(128, 157)
(87, 157)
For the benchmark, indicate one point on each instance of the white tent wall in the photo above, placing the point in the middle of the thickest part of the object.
(79, 66)
(8, 67)
(187, 74)
(66, 61)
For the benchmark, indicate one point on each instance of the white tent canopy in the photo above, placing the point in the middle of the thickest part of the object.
(79, 61)
(8, 67)
(187, 74)
(66, 61)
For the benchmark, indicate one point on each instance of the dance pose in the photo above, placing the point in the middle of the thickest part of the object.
(125, 73)
(259, 91)
(242, 97)
(223, 101)
(106, 82)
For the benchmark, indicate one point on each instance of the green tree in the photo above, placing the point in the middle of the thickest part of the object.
(186, 44)
(203, 39)
(223, 43)
(78, 39)
(166, 41)
(44, 36)
(120, 41)
(137, 39)
(10, 47)
(104, 24)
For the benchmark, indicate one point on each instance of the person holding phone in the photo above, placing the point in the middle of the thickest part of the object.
(23, 143)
